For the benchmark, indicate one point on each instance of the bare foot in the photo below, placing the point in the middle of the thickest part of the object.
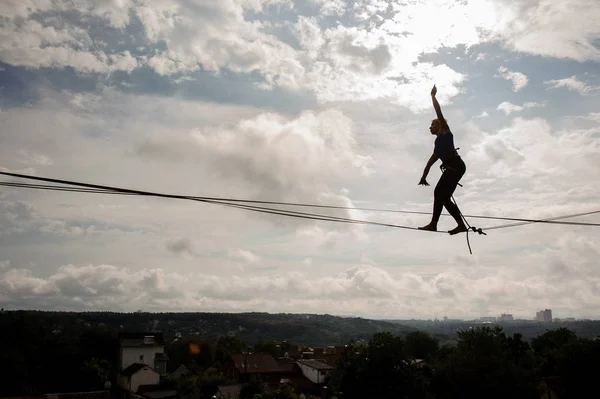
(430, 227)
(461, 228)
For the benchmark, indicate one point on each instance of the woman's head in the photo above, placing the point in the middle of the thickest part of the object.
(436, 126)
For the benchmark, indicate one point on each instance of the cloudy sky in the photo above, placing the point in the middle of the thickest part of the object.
(314, 101)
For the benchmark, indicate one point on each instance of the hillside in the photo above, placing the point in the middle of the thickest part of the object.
(301, 329)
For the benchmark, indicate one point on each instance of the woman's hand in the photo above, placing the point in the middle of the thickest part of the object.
(423, 182)
(433, 91)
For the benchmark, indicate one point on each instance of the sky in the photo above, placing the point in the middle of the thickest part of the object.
(316, 101)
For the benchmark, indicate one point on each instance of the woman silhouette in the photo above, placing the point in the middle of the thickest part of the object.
(453, 170)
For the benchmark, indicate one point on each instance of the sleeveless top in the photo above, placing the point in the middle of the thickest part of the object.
(444, 146)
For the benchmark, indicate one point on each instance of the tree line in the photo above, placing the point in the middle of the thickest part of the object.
(484, 362)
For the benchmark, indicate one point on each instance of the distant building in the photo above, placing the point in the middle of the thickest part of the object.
(506, 317)
(544, 316)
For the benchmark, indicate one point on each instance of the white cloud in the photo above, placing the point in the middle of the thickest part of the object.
(545, 28)
(354, 291)
(341, 63)
(572, 83)
(244, 255)
(518, 79)
(509, 108)
(592, 116)
(525, 154)
(32, 44)
(331, 7)
(272, 156)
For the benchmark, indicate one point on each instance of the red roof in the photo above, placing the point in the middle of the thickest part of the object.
(256, 363)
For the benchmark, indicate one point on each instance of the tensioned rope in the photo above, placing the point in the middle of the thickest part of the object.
(94, 188)
(238, 203)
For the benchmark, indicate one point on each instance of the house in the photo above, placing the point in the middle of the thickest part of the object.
(314, 370)
(241, 367)
(229, 391)
(328, 355)
(138, 374)
(143, 347)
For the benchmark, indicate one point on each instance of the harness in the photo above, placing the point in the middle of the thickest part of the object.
(444, 167)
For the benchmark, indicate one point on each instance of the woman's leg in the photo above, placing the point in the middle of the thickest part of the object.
(458, 169)
(441, 195)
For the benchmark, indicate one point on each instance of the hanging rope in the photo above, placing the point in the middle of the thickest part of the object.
(469, 227)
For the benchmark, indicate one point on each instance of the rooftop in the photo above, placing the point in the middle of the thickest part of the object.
(134, 368)
(229, 391)
(256, 363)
(133, 339)
(315, 364)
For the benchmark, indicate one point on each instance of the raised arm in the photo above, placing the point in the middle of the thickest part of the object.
(438, 109)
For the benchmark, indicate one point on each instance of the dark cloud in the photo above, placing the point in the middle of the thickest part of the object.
(179, 245)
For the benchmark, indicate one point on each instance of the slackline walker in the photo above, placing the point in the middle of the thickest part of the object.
(453, 168)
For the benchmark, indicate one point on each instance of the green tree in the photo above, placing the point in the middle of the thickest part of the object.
(227, 346)
(189, 386)
(547, 347)
(379, 369)
(210, 381)
(96, 372)
(190, 350)
(420, 345)
(576, 366)
(284, 392)
(486, 361)
(252, 388)
(269, 347)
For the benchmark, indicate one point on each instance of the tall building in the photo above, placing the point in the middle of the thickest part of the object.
(544, 316)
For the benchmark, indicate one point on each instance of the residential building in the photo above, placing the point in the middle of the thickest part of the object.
(242, 366)
(143, 348)
(314, 370)
(544, 316)
(506, 317)
(138, 374)
(229, 391)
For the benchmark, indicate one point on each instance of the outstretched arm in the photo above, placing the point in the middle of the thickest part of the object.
(438, 109)
(432, 159)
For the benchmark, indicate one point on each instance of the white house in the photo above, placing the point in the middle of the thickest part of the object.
(144, 348)
(314, 370)
(138, 374)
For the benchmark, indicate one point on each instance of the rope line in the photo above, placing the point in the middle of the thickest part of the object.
(94, 188)
(273, 211)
